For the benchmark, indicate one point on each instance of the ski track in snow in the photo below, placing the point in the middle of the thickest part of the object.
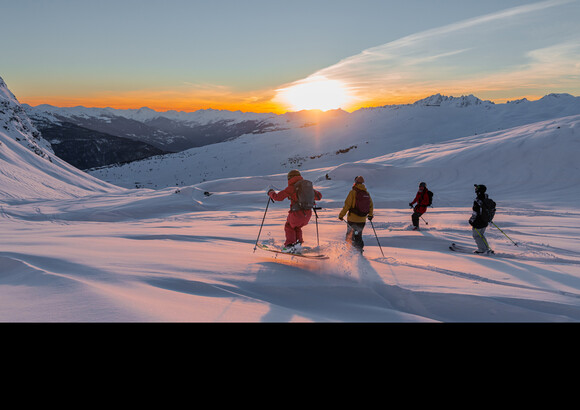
(344, 288)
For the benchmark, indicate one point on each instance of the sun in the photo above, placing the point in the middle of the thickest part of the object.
(315, 93)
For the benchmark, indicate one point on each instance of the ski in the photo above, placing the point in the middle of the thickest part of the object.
(464, 249)
(300, 255)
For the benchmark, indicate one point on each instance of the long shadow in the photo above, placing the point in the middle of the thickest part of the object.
(186, 238)
(320, 291)
(302, 291)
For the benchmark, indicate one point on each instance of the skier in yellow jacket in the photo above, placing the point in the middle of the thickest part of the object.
(359, 206)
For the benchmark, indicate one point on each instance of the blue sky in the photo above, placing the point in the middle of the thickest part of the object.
(177, 54)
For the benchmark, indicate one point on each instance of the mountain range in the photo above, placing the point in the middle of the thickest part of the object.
(107, 138)
(93, 137)
(313, 139)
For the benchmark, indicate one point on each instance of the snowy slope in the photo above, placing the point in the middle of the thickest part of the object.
(28, 167)
(362, 135)
(75, 249)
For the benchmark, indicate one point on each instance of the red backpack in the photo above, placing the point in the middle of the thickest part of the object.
(362, 203)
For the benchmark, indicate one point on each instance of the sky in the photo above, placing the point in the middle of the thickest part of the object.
(279, 55)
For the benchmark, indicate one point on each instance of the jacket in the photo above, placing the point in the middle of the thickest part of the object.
(477, 220)
(422, 200)
(290, 192)
(350, 203)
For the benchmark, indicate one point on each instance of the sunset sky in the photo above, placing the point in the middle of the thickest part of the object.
(277, 56)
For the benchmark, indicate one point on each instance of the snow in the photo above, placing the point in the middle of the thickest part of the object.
(77, 249)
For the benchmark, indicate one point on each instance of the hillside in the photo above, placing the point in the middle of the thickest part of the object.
(84, 148)
(170, 131)
(29, 169)
(364, 135)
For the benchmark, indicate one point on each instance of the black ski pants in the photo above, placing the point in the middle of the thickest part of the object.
(354, 235)
(415, 218)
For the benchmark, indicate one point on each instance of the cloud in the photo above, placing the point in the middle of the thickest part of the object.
(507, 51)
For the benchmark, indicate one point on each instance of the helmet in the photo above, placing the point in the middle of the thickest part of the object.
(293, 173)
(423, 184)
(480, 188)
(359, 180)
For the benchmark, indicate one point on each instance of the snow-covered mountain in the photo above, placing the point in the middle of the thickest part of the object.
(77, 249)
(170, 131)
(94, 137)
(28, 167)
(364, 136)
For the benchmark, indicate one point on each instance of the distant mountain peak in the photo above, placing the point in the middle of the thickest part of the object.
(553, 96)
(463, 101)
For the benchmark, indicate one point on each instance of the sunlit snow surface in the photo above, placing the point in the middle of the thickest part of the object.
(78, 249)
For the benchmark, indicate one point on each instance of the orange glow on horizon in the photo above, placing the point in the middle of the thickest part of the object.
(161, 105)
(264, 105)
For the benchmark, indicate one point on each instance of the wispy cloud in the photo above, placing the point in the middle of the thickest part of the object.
(504, 53)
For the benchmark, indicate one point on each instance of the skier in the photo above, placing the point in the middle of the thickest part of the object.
(297, 216)
(483, 212)
(423, 201)
(359, 206)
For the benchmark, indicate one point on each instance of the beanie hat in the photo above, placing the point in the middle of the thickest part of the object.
(293, 173)
(359, 180)
(424, 185)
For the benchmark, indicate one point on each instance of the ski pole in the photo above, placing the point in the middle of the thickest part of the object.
(377, 237)
(421, 216)
(481, 236)
(317, 240)
(262, 224)
(504, 234)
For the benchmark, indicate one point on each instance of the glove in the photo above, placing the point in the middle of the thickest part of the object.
(341, 218)
(411, 204)
(269, 194)
(370, 217)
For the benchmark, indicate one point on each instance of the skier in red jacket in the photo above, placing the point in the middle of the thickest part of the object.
(297, 218)
(422, 201)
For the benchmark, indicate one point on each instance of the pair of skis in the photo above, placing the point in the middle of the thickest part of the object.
(306, 253)
(465, 249)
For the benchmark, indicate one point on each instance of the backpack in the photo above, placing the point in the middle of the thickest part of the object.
(488, 209)
(362, 203)
(430, 198)
(304, 195)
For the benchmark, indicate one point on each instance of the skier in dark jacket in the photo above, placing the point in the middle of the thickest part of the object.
(480, 219)
(296, 219)
(422, 201)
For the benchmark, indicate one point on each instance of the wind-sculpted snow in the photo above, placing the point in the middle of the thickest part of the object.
(76, 249)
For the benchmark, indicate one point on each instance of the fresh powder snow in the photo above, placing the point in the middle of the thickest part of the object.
(90, 247)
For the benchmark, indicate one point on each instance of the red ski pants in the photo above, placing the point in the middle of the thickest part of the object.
(294, 223)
